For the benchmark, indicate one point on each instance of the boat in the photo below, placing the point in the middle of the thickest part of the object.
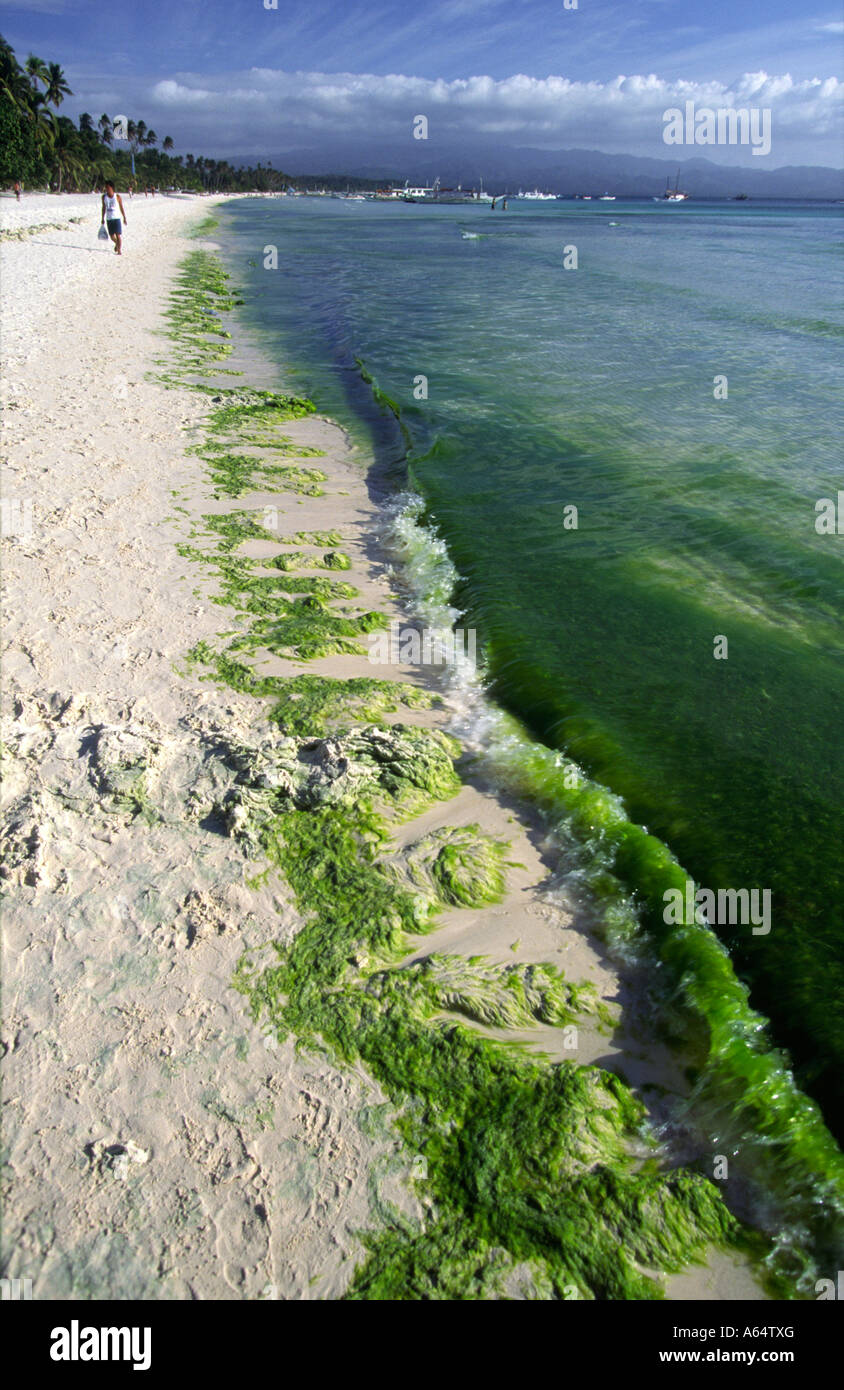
(462, 195)
(610, 198)
(674, 195)
(537, 197)
(437, 194)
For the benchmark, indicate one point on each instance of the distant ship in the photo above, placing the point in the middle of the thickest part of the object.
(460, 195)
(610, 198)
(673, 195)
(437, 194)
(537, 197)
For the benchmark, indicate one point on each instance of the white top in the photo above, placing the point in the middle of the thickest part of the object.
(112, 208)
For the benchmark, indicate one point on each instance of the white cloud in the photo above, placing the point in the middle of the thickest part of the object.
(170, 93)
(266, 109)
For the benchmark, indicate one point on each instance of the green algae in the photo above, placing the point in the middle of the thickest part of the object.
(459, 865)
(523, 1158)
(303, 627)
(256, 593)
(331, 560)
(133, 799)
(235, 474)
(306, 628)
(530, 1166)
(312, 538)
(255, 415)
(506, 996)
(386, 402)
(200, 294)
(245, 418)
(405, 765)
(309, 704)
(244, 587)
(232, 529)
(744, 1093)
(206, 224)
(525, 1162)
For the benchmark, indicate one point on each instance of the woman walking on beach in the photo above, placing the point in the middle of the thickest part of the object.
(111, 202)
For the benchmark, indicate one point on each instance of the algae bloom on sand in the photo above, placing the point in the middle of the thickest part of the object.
(539, 1176)
(530, 1166)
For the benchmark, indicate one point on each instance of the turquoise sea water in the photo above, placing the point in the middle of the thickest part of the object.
(593, 388)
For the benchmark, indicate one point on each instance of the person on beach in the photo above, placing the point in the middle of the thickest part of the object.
(111, 202)
(17, 190)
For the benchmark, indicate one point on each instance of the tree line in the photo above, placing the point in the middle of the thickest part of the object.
(41, 148)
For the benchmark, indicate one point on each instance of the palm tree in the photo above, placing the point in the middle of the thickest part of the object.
(66, 150)
(36, 70)
(38, 139)
(101, 170)
(43, 119)
(57, 88)
(13, 80)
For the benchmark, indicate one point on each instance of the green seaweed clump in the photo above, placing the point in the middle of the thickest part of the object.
(459, 865)
(201, 293)
(294, 560)
(527, 1162)
(307, 628)
(506, 996)
(308, 704)
(407, 766)
(206, 224)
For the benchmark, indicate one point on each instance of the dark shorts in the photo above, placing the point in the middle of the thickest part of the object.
(115, 226)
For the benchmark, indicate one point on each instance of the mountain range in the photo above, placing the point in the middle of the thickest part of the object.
(569, 171)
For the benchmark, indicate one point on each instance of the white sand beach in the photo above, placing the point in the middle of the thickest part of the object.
(159, 1144)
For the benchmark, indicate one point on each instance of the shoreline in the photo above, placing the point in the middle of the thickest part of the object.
(744, 1097)
(137, 716)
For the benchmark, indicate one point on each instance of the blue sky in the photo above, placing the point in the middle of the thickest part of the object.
(232, 77)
